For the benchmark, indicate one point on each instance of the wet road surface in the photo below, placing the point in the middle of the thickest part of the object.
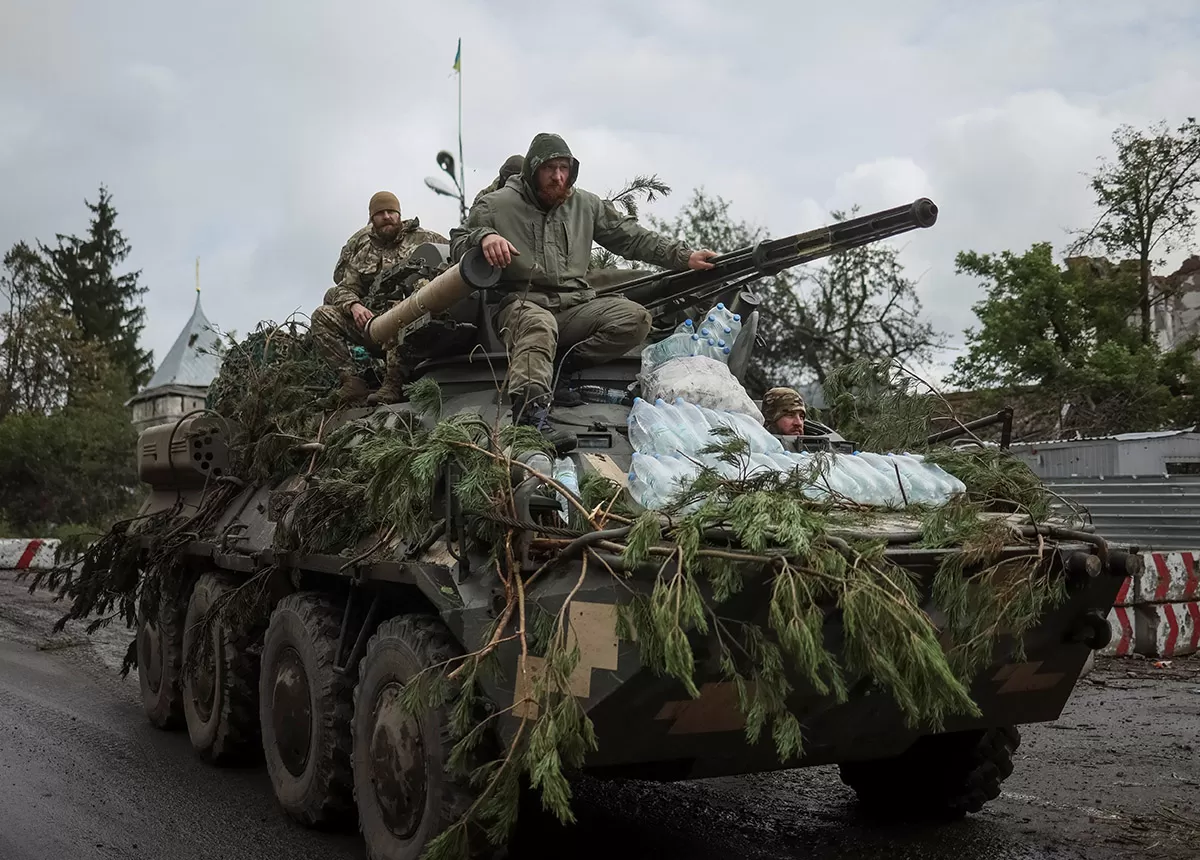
(83, 775)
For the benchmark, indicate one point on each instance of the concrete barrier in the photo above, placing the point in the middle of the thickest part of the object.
(27, 553)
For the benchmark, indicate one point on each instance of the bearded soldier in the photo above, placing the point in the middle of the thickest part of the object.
(539, 229)
(783, 412)
(341, 321)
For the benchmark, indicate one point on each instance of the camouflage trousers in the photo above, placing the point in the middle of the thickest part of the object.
(334, 332)
(586, 334)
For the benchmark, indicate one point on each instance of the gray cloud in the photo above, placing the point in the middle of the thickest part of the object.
(252, 135)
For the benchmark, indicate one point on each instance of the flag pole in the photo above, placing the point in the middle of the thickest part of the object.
(462, 180)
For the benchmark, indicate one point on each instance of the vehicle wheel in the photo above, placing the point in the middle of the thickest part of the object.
(305, 710)
(940, 776)
(405, 796)
(220, 697)
(159, 659)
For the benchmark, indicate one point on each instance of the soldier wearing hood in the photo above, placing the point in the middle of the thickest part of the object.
(341, 321)
(512, 166)
(539, 228)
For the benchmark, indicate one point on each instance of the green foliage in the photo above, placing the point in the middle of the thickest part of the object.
(73, 466)
(272, 389)
(1065, 331)
(80, 273)
(1147, 201)
(880, 406)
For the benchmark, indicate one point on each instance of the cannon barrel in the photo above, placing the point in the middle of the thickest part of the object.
(662, 290)
(440, 294)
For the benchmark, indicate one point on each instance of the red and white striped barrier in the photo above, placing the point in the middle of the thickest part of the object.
(1123, 641)
(1168, 629)
(1168, 577)
(27, 553)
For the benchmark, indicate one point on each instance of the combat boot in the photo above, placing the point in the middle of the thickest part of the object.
(564, 395)
(353, 391)
(534, 411)
(392, 390)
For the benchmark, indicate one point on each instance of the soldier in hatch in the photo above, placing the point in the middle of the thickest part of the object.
(539, 229)
(783, 412)
(340, 322)
(511, 167)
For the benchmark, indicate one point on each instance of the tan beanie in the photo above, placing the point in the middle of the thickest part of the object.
(381, 201)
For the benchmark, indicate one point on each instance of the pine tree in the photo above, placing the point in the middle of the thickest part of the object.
(106, 307)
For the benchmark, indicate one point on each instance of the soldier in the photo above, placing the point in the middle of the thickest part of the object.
(539, 229)
(341, 321)
(783, 412)
(511, 167)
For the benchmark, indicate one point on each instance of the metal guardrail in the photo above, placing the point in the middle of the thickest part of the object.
(1156, 513)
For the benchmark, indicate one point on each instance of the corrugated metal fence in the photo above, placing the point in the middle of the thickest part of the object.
(1156, 513)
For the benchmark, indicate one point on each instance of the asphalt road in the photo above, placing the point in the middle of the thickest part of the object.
(82, 775)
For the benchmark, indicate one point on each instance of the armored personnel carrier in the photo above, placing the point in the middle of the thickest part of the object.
(596, 621)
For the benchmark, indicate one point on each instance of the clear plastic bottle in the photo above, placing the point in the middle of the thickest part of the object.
(649, 481)
(883, 466)
(686, 327)
(649, 431)
(564, 473)
(923, 491)
(696, 419)
(947, 486)
(690, 441)
(761, 442)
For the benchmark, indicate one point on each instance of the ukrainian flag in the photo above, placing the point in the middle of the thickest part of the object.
(458, 58)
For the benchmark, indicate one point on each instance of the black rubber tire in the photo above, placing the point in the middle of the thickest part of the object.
(941, 777)
(401, 648)
(322, 794)
(226, 732)
(162, 692)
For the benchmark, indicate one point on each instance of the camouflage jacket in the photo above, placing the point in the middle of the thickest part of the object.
(556, 245)
(339, 269)
(368, 257)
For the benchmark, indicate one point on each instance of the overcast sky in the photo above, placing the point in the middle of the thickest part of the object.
(253, 134)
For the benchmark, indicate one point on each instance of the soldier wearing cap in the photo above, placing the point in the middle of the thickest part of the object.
(341, 321)
(783, 412)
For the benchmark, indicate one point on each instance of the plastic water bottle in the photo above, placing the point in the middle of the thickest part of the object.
(923, 490)
(762, 464)
(648, 481)
(883, 466)
(761, 442)
(672, 346)
(878, 490)
(691, 441)
(686, 327)
(696, 421)
(884, 489)
(564, 473)
(947, 485)
(649, 431)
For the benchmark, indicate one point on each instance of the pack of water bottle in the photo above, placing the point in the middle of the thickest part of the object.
(713, 338)
(668, 439)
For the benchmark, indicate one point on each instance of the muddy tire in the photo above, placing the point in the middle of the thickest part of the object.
(405, 796)
(220, 698)
(159, 661)
(305, 709)
(941, 777)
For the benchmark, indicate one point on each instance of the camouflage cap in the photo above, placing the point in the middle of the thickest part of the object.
(782, 401)
(382, 201)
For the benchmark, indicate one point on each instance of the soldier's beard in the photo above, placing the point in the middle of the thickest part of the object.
(553, 195)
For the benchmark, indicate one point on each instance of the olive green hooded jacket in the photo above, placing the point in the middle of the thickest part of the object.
(555, 245)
